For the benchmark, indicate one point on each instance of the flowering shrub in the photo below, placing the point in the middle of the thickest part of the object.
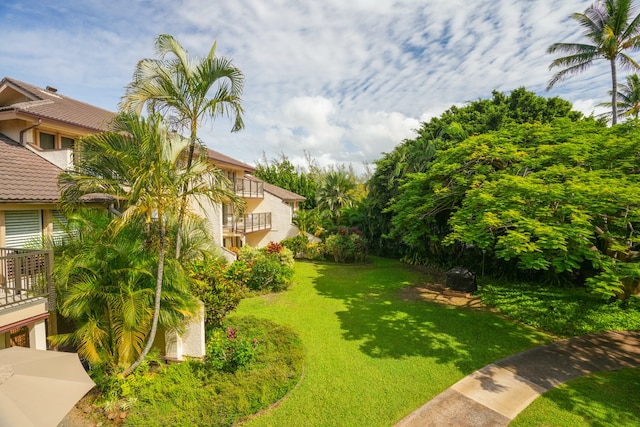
(228, 351)
(218, 286)
(347, 245)
(266, 270)
(315, 251)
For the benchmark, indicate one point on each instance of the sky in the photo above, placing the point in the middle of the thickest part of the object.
(335, 81)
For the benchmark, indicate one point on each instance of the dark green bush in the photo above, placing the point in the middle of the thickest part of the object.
(271, 270)
(347, 245)
(218, 286)
(297, 245)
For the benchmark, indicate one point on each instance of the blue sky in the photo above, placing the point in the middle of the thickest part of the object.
(340, 80)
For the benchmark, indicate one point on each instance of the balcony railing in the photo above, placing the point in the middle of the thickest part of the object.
(248, 188)
(249, 223)
(25, 275)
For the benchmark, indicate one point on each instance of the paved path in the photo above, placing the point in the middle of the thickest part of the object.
(497, 393)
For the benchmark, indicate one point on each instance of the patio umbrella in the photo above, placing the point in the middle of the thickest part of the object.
(38, 387)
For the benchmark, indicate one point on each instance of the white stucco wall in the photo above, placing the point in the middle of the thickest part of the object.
(281, 222)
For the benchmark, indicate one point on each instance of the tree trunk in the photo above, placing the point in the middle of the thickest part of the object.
(183, 200)
(156, 309)
(614, 92)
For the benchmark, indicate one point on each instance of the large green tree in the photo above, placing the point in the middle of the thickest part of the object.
(143, 167)
(187, 90)
(284, 174)
(611, 29)
(336, 192)
(414, 155)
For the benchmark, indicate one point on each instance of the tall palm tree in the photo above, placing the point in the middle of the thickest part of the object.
(188, 89)
(611, 29)
(628, 98)
(335, 193)
(142, 166)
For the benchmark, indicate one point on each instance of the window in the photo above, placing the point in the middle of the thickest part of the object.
(66, 142)
(50, 141)
(47, 141)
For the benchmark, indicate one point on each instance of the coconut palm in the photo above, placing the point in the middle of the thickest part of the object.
(142, 166)
(628, 98)
(611, 29)
(187, 89)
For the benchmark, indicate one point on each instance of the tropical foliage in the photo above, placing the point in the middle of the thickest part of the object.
(415, 155)
(611, 29)
(106, 284)
(628, 98)
(142, 167)
(558, 198)
(282, 173)
(187, 90)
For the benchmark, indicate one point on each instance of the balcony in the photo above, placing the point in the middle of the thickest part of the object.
(25, 275)
(249, 223)
(248, 188)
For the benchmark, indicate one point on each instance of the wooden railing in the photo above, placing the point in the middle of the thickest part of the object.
(248, 188)
(25, 274)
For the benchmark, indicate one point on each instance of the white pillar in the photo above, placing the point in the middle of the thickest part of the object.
(38, 335)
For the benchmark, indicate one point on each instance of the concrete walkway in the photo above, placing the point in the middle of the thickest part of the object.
(497, 393)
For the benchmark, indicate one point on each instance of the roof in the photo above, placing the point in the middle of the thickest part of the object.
(279, 192)
(48, 104)
(25, 176)
(222, 160)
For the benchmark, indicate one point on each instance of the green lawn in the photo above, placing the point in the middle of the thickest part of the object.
(601, 399)
(372, 357)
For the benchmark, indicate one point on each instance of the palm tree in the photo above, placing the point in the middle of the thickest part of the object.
(105, 284)
(189, 89)
(628, 98)
(142, 166)
(611, 30)
(335, 193)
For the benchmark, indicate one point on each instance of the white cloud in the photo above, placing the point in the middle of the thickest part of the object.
(342, 80)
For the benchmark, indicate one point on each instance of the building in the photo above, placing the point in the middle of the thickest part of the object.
(38, 130)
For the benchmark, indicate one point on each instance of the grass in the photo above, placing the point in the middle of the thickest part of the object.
(601, 399)
(373, 357)
(564, 312)
(194, 394)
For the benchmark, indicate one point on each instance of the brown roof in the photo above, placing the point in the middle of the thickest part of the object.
(279, 192)
(222, 160)
(48, 104)
(25, 176)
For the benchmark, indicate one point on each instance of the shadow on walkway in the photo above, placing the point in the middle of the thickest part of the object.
(497, 393)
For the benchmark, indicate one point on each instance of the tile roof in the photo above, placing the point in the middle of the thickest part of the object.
(51, 105)
(25, 176)
(222, 160)
(279, 192)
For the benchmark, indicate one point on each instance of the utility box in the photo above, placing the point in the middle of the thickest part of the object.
(461, 279)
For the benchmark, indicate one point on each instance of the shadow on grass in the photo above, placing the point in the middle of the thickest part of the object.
(389, 326)
(602, 399)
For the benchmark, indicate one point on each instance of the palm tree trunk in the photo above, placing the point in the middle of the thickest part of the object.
(183, 201)
(156, 310)
(614, 92)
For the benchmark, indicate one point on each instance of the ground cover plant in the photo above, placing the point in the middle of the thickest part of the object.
(219, 392)
(373, 355)
(600, 399)
(562, 311)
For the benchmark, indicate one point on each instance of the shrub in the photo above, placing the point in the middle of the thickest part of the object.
(270, 268)
(315, 251)
(229, 351)
(218, 286)
(347, 245)
(297, 245)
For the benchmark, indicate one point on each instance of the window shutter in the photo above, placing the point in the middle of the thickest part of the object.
(23, 229)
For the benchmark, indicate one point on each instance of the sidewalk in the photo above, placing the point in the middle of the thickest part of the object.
(497, 393)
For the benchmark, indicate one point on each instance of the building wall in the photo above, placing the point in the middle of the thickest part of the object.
(281, 222)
